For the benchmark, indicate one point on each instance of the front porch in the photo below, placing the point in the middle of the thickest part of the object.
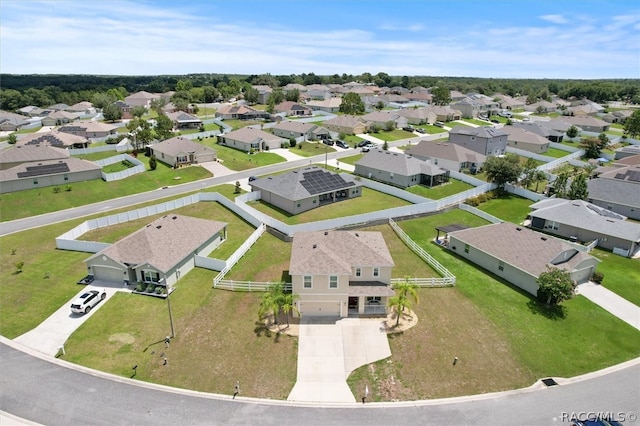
(368, 298)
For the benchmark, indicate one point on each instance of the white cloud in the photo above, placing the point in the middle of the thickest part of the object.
(556, 19)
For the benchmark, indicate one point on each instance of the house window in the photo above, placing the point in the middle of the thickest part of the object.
(501, 265)
(307, 283)
(333, 281)
(466, 248)
(376, 272)
(35, 182)
(150, 276)
(298, 205)
(391, 175)
(473, 138)
(66, 177)
(374, 300)
(358, 272)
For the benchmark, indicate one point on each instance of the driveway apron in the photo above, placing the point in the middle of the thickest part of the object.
(328, 351)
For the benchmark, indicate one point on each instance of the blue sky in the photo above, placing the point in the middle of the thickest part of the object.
(497, 38)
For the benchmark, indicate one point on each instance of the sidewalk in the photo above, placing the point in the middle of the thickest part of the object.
(611, 302)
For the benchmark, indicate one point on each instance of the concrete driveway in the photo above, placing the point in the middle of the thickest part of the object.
(329, 350)
(53, 332)
(611, 302)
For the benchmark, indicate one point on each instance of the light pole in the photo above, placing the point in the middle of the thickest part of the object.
(173, 334)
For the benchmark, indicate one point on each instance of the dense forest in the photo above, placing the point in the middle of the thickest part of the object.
(17, 91)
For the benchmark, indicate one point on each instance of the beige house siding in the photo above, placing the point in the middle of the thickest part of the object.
(531, 147)
(19, 184)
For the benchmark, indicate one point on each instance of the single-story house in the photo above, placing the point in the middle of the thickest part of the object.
(141, 98)
(89, 129)
(418, 115)
(423, 97)
(264, 91)
(82, 108)
(327, 105)
(447, 156)
(54, 138)
(347, 124)
(58, 107)
(304, 189)
(10, 121)
(544, 106)
(33, 111)
(337, 273)
(160, 253)
(617, 190)
(240, 112)
(541, 129)
(627, 151)
(586, 123)
(296, 129)
(519, 255)
(586, 109)
(58, 118)
(181, 151)
(382, 118)
(248, 138)
(19, 154)
(293, 109)
(523, 139)
(585, 222)
(485, 140)
(445, 113)
(509, 103)
(40, 174)
(182, 120)
(317, 94)
(399, 169)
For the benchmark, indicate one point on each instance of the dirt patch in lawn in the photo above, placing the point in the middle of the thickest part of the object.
(124, 338)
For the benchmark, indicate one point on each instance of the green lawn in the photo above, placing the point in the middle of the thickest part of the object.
(238, 124)
(393, 135)
(477, 122)
(237, 160)
(556, 153)
(311, 149)
(501, 119)
(206, 112)
(621, 274)
(353, 159)
(32, 202)
(432, 130)
(508, 207)
(352, 140)
(453, 124)
(454, 186)
(369, 201)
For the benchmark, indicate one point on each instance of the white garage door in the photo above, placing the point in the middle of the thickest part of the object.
(320, 309)
(105, 273)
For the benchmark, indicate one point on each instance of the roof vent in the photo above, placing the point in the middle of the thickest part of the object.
(326, 232)
(159, 226)
(315, 246)
(518, 228)
(174, 218)
(357, 235)
(543, 238)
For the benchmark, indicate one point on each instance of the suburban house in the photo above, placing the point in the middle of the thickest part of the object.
(519, 255)
(327, 105)
(456, 95)
(296, 129)
(82, 108)
(581, 221)
(382, 118)
(317, 94)
(170, 107)
(304, 189)
(627, 151)
(291, 108)
(182, 120)
(509, 103)
(586, 109)
(423, 97)
(484, 140)
(338, 273)
(10, 122)
(539, 128)
(400, 170)
(474, 105)
(54, 138)
(240, 112)
(347, 124)
(58, 107)
(586, 123)
(294, 86)
(542, 106)
(44, 173)
(418, 115)
(447, 156)
(264, 92)
(93, 130)
(617, 190)
(19, 154)
(32, 111)
(160, 253)
(141, 98)
(523, 139)
(445, 113)
(58, 118)
(180, 151)
(248, 139)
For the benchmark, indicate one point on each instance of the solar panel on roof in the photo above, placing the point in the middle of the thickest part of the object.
(634, 175)
(318, 181)
(46, 169)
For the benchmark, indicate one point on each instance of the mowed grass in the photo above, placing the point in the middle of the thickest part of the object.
(454, 186)
(311, 149)
(32, 202)
(369, 201)
(508, 207)
(218, 341)
(603, 340)
(237, 160)
(556, 153)
(353, 159)
(393, 135)
(621, 274)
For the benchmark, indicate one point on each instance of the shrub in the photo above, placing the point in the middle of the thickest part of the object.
(153, 163)
(292, 142)
(67, 188)
(597, 277)
(19, 266)
(158, 290)
(140, 287)
(56, 189)
(150, 288)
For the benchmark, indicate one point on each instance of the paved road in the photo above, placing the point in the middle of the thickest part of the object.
(54, 392)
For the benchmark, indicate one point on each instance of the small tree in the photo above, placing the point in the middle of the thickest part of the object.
(19, 266)
(538, 176)
(572, 132)
(237, 189)
(385, 146)
(502, 170)
(380, 105)
(12, 139)
(138, 111)
(555, 286)
(579, 189)
(153, 163)
(292, 142)
(592, 147)
(632, 124)
(560, 184)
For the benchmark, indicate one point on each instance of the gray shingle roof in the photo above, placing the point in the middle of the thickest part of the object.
(583, 215)
(445, 151)
(521, 247)
(337, 252)
(292, 187)
(487, 132)
(73, 165)
(516, 134)
(177, 145)
(615, 191)
(164, 242)
(26, 153)
(53, 138)
(398, 163)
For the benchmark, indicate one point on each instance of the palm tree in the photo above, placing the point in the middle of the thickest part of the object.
(538, 176)
(406, 289)
(288, 305)
(271, 302)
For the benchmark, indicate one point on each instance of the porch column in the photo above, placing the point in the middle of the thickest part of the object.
(361, 302)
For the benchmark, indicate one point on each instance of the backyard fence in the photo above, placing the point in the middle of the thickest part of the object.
(248, 286)
(237, 255)
(479, 213)
(109, 177)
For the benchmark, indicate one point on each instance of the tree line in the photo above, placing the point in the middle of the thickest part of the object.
(44, 90)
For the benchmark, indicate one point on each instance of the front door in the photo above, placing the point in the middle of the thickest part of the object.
(353, 303)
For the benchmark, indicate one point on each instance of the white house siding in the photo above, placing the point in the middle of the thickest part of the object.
(531, 147)
(587, 235)
(385, 176)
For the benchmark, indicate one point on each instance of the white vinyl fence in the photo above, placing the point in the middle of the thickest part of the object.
(480, 213)
(138, 167)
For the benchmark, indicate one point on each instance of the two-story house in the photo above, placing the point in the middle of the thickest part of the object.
(338, 273)
(484, 140)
